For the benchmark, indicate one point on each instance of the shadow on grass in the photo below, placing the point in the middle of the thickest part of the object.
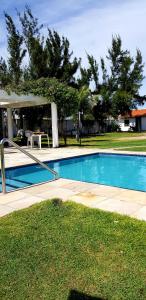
(78, 145)
(75, 295)
(94, 141)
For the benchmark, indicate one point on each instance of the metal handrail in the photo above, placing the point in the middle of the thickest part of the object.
(2, 142)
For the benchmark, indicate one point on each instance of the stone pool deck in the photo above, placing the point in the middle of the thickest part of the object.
(126, 202)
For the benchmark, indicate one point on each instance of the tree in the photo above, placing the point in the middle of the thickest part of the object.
(15, 50)
(4, 81)
(64, 96)
(126, 77)
(93, 66)
(85, 77)
(52, 68)
(30, 28)
(59, 56)
(84, 109)
(50, 58)
(119, 89)
(4, 73)
(38, 62)
(34, 42)
(102, 108)
(105, 76)
(89, 74)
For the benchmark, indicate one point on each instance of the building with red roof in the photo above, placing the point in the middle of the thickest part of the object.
(138, 113)
(134, 120)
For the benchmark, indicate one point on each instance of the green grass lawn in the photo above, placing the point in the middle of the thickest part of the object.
(110, 140)
(134, 149)
(106, 141)
(48, 250)
(105, 144)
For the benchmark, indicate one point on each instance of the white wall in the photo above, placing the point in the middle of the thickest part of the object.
(132, 122)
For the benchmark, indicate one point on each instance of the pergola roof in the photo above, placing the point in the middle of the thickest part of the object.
(17, 101)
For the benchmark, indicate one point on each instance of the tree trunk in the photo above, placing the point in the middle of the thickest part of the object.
(63, 133)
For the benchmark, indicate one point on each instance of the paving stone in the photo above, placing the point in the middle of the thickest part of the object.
(87, 199)
(13, 196)
(141, 214)
(41, 188)
(106, 191)
(122, 207)
(59, 193)
(108, 198)
(76, 186)
(24, 203)
(132, 196)
(5, 210)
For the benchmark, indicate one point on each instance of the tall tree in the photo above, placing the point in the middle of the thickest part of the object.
(136, 75)
(85, 77)
(4, 81)
(38, 60)
(83, 109)
(52, 58)
(104, 72)
(15, 50)
(90, 74)
(93, 66)
(30, 27)
(35, 45)
(119, 88)
(126, 77)
(60, 64)
(4, 73)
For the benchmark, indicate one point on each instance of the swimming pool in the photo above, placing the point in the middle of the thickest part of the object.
(126, 171)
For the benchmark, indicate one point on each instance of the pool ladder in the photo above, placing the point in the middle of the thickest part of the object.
(6, 140)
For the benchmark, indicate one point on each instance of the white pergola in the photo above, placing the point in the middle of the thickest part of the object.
(13, 100)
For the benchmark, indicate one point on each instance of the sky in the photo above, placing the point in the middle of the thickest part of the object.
(88, 24)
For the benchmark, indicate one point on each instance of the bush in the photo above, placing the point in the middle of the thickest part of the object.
(113, 127)
(57, 202)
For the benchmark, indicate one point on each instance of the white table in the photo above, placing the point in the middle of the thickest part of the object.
(38, 138)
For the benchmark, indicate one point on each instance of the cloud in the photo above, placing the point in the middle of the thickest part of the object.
(92, 30)
(90, 24)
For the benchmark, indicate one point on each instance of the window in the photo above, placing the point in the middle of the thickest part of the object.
(126, 122)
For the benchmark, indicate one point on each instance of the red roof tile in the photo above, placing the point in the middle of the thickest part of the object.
(138, 113)
(134, 113)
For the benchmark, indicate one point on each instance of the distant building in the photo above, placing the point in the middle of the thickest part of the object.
(135, 120)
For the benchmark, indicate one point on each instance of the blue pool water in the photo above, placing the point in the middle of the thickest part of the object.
(126, 171)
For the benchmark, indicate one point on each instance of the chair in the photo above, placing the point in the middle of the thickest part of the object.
(20, 133)
(28, 134)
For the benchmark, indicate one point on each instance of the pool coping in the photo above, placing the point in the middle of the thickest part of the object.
(72, 157)
(108, 198)
(76, 156)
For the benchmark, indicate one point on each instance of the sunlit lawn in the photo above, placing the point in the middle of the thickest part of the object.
(108, 140)
(47, 251)
(137, 148)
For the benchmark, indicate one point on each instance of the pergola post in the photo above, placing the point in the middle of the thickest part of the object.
(1, 123)
(10, 123)
(54, 115)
